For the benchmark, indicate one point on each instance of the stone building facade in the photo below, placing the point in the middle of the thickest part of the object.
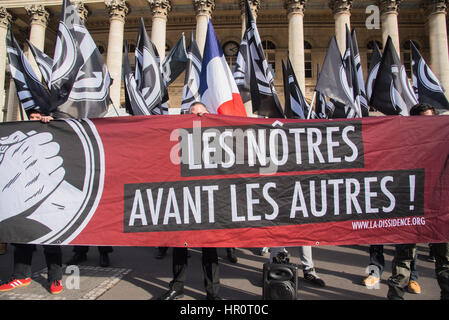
(301, 29)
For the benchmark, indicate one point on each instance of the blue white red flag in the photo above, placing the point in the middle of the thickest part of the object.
(218, 89)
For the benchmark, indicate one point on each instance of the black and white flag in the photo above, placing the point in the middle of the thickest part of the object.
(354, 73)
(30, 91)
(427, 87)
(252, 74)
(134, 101)
(359, 72)
(322, 109)
(148, 73)
(175, 62)
(295, 104)
(43, 61)
(376, 59)
(80, 79)
(191, 90)
(241, 75)
(392, 92)
(349, 64)
(333, 80)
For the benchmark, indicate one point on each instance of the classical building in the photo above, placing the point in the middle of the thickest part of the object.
(301, 29)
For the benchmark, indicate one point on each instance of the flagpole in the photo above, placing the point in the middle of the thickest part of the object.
(311, 105)
(115, 109)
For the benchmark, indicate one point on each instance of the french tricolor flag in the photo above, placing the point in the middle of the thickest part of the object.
(218, 89)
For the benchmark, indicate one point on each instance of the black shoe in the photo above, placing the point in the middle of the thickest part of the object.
(231, 255)
(104, 260)
(77, 259)
(211, 297)
(309, 277)
(172, 295)
(431, 258)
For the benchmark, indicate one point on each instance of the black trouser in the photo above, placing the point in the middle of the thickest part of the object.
(401, 270)
(23, 256)
(441, 252)
(84, 249)
(376, 257)
(210, 270)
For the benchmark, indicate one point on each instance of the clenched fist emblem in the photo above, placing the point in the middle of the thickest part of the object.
(31, 170)
(51, 180)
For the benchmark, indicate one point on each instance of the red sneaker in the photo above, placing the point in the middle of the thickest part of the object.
(56, 287)
(15, 283)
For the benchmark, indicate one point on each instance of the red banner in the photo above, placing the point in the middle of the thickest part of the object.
(224, 181)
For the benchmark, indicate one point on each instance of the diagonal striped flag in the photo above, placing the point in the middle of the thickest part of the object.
(80, 79)
(148, 73)
(252, 74)
(191, 90)
(134, 101)
(30, 91)
(295, 104)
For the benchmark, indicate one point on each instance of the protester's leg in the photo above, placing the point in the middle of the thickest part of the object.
(413, 270)
(179, 266)
(23, 256)
(53, 258)
(161, 252)
(305, 255)
(441, 252)
(376, 260)
(104, 255)
(400, 270)
(230, 253)
(211, 272)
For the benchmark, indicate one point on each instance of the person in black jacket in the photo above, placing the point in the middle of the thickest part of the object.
(209, 258)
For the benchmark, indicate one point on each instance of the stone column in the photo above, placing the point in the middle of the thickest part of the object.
(12, 113)
(38, 22)
(82, 9)
(38, 25)
(295, 10)
(118, 9)
(254, 6)
(159, 10)
(5, 20)
(389, 20)
(439, 57)
(203, 10)
(342, 17)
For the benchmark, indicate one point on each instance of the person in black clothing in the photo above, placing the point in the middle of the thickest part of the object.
(209, 258)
